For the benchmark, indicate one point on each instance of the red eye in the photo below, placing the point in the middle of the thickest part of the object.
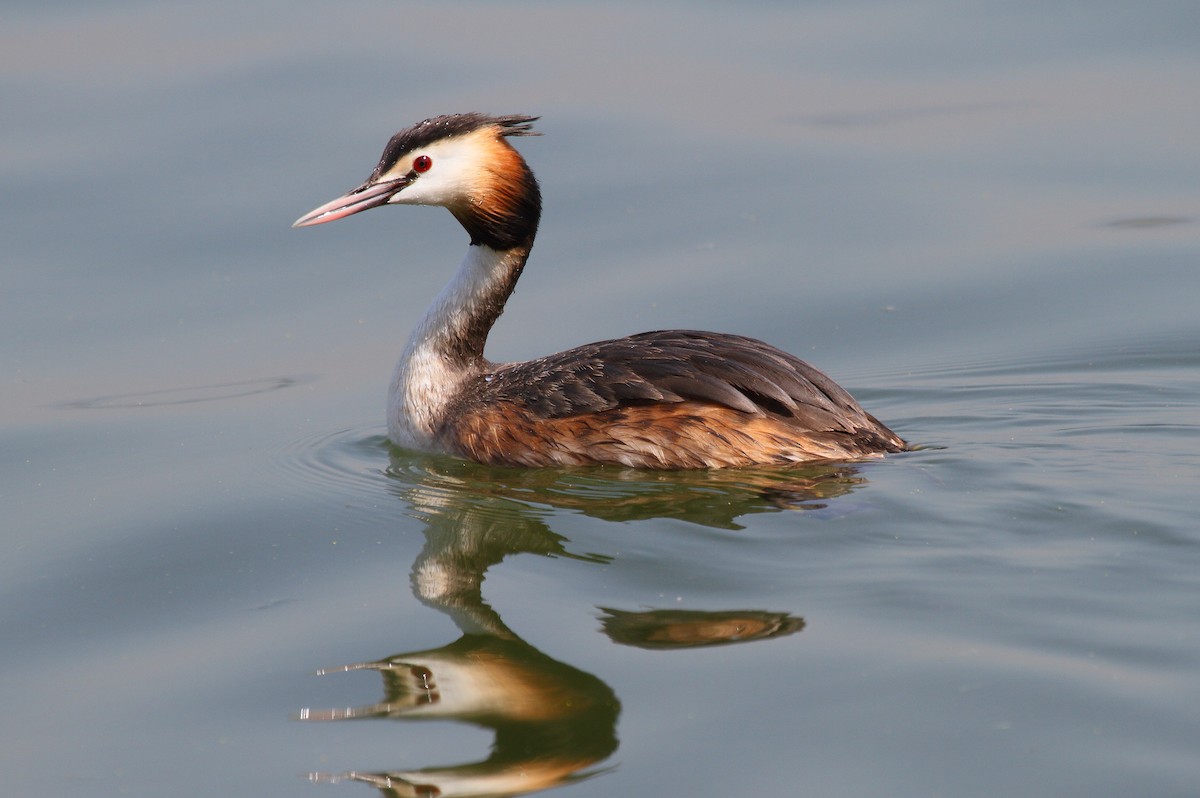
(422, 163)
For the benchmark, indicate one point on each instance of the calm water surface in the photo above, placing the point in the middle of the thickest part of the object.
(218, 578)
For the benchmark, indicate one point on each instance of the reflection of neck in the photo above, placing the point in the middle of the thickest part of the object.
(449, 580)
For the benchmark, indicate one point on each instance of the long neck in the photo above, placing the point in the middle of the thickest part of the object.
(446, 347)
(456, 326)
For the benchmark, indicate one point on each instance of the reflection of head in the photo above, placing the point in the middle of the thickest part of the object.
(550, 721)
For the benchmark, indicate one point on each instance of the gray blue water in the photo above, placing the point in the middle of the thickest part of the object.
(983, 219)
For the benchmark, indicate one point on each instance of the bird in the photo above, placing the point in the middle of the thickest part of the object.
(668, 399)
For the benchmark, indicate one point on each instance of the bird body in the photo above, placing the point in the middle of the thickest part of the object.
(665, 399)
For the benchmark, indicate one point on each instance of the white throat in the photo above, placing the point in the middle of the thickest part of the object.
(428, 376)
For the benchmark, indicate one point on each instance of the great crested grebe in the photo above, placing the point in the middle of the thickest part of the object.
(666, 399)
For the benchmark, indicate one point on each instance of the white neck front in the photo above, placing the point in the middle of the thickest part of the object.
(446, 347)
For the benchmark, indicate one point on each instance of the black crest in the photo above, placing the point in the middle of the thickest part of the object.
(437, 128)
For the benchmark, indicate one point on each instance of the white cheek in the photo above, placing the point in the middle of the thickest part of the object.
(451, 179)
(436, 187)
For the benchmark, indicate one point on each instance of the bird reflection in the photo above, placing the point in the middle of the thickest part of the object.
(552, 723)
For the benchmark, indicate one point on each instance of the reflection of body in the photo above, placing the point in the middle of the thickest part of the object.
(670, 399)
(708, 497)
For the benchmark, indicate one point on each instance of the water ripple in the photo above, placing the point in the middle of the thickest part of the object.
(347, 462)
(191, 394)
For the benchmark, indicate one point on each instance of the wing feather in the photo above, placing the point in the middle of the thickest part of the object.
(673, 366)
